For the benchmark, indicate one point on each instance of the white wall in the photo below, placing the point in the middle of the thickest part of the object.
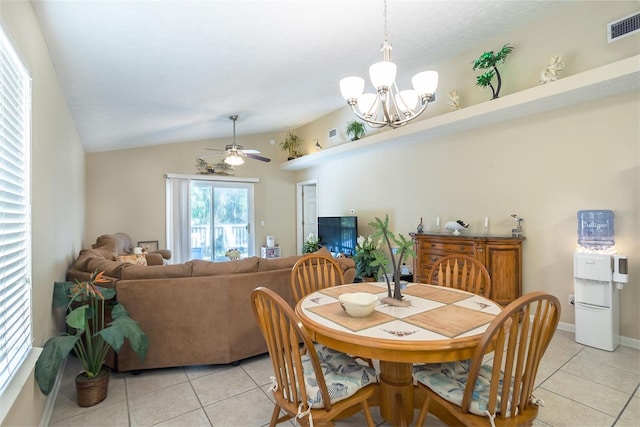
(57, 188)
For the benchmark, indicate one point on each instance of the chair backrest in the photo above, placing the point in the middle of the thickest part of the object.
(313, 272)
(518, 337)
(287, 341)
(461, 272)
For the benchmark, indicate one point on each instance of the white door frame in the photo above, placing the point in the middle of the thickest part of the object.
(299, 210)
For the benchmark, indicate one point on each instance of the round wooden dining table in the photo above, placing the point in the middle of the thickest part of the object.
(439, 325)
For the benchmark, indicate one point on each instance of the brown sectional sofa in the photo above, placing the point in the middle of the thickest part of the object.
(196, 313)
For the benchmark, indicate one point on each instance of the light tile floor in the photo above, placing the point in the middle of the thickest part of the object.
(580, 386)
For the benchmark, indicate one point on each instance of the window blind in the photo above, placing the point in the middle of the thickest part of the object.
(15, 286)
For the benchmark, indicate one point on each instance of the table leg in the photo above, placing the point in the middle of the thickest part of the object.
(396, 392)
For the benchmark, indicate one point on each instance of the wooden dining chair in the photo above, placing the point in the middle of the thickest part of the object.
(313, 272)
(467, 392)
(310, 380)
(461, 272)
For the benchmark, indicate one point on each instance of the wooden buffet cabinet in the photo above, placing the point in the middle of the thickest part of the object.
(501, 255)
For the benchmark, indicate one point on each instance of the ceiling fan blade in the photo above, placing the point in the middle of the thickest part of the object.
(211, 155)
(215, 149)
(250, 151)
(256, 157)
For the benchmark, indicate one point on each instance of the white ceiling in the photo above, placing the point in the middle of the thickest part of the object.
(140, 73)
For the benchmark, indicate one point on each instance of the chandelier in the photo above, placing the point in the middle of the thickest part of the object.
(389, 106)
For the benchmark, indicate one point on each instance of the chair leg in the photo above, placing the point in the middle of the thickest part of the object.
(274, 416)
(424, 410)
(367, 413)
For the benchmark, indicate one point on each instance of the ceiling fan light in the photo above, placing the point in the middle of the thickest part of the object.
(426, 82)
(406, 100)
(234, 160)
(351, 87)
(382, 74)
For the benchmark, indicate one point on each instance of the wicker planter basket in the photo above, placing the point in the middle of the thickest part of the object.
(92, 391)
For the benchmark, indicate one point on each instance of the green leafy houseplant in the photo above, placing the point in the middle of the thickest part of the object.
(404, 248)
(89, 336)
(491, 60)
(312, 244)
(355, 129)
(365, 257)
(291, 144)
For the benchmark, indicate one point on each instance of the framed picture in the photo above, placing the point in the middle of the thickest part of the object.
(149, 245)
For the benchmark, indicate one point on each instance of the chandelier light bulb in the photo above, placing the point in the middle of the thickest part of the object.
(367, 104)
(351, 87)
(382, 74)
(407, 100)
(425, 83)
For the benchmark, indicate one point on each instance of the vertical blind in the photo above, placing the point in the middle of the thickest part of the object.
(15, 287)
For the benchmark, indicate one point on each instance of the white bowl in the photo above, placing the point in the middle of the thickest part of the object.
(358, 304)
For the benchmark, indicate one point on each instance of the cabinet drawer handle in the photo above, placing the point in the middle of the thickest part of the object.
(462, 248)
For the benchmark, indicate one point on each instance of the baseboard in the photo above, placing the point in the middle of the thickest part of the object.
(625, 341)
(51, 399)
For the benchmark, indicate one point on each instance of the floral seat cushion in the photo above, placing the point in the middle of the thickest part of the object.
(449, 380)
(343, 376)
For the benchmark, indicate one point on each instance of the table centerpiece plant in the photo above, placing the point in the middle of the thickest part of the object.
(365, 257)
(87, 307)
(403, 247)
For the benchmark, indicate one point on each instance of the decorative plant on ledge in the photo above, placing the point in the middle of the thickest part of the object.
(491, 60)
(312, 244)
(355, 130)
(404, 248)
(291, 144)
(90, 336)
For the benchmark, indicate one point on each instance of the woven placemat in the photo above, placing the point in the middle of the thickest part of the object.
(436, 293)
(336, 314)
(336, 291)
(450, 320)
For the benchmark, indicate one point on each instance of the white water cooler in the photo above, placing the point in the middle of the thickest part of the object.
(598, 279)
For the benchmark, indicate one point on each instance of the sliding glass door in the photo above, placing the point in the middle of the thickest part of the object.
(221, 219)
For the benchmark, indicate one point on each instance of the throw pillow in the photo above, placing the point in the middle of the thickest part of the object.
(132, 259)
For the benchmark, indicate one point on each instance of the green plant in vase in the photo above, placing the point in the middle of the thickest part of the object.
(355, 130)
(311, 244)
(404, 248)
(89, 335)
(491, 60)
(365, 257)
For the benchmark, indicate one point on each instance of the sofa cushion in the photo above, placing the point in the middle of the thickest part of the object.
(208, 268)
(87, 254)
(132, 259)
(156, 271)
(268, 264)
(110, 268)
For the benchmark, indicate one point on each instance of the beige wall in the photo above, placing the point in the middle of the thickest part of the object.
(126, 188)
(544, 167)
(58, 188)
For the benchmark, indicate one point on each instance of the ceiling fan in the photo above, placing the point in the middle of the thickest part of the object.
(235, 152)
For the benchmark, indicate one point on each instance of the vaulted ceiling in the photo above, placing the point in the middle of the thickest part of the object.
(139, 73)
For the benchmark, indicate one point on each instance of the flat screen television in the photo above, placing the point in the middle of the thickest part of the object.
(339, 234)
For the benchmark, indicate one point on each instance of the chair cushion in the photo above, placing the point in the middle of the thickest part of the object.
(343, 376)
(449, 380)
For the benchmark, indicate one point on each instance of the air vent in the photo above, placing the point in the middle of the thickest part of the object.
(623, 27)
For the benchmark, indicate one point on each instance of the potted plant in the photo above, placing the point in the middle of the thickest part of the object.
(355, 129)
(402, 248)
(87, 307)
(365, 257)
(312, 244)
(491, 60)
(291, 144)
